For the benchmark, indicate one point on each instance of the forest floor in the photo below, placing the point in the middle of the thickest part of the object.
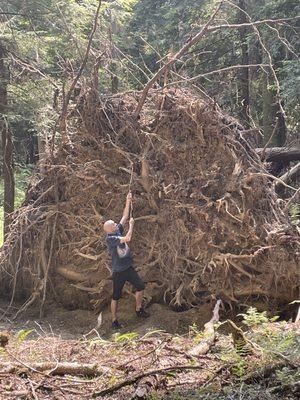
(54, 357)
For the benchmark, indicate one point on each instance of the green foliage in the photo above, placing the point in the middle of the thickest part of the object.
(125, 337)
(23, 334)
(45, 42)
(278, 340)
(193, 329)
(240, 366)
(3, 353)
(252, 317)
(288, 376)
(295, 212)
(22, 178)
(238, 363)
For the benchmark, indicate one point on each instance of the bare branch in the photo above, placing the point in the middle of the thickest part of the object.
(180, 53)
(266, 51)
(252, 23)
(63, 115)
(279, 154)
(289, 175)
(233, 67)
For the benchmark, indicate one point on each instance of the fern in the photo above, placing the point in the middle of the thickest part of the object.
(252, 317)
(125, 337)
(22, 334)
(3, 352)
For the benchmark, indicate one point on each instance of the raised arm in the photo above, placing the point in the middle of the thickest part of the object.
(127, 237)
(126, 209)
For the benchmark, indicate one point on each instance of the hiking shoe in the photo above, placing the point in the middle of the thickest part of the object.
(116, 325)
(142, 313)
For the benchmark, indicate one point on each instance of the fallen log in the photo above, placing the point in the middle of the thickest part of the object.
(136, 377)
(290, 175)
(209, 334)
(54, 368)
(284, 154)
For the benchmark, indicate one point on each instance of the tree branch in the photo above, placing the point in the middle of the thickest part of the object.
(289, 175)
(251, 24)
(279, 154)
(180, 53)
(63, 115)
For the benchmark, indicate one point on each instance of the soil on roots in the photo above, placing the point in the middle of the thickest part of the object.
(208, 221)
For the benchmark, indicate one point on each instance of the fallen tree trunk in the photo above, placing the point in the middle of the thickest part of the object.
(284, 154)
(291, 174)
(134, 378)
(53, 368)
(208, 333)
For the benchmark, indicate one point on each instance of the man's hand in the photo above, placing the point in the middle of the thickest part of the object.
(126, 211)
(127, 238)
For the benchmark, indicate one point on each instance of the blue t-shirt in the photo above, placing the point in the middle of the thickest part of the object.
(120, 253)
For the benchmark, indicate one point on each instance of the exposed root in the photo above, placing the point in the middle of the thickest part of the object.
(207, 215)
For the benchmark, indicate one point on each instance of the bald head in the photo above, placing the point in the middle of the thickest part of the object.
(110, 226)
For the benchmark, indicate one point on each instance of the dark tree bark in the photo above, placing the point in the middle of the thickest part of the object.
(243, 74)
(274, 125)
(273, 121)
(283, 154)
(32, 149)
(7, 146)
(113, 55)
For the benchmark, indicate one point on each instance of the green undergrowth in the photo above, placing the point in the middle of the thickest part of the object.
(22, 179)
(270, 372)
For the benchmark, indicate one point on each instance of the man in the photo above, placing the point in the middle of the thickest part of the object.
(122, 263)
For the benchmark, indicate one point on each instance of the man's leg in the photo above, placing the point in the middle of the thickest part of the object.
(138, 300)
(138, 284)
(119, 280)
(114, 309)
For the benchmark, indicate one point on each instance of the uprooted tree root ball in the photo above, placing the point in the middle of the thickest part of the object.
(208, 221)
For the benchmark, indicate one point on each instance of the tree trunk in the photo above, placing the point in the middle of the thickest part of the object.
(284, 154)
(274, 125)
(32, 149)
(7, 146)
(243, 74)
(113, 64)
(273, 121)
(292, 174)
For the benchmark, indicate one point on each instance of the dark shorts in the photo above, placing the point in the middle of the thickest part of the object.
(120, 278)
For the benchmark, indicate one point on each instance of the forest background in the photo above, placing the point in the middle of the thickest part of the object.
(42, 45)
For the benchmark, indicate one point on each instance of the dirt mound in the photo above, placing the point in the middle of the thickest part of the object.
(208, 221)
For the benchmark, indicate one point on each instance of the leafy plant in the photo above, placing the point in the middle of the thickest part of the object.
(238, 363)
(125, 337)
(287, 375)
(3, 352)
(253, 317)
(240, 366)
(295, 212)
(22, 335)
